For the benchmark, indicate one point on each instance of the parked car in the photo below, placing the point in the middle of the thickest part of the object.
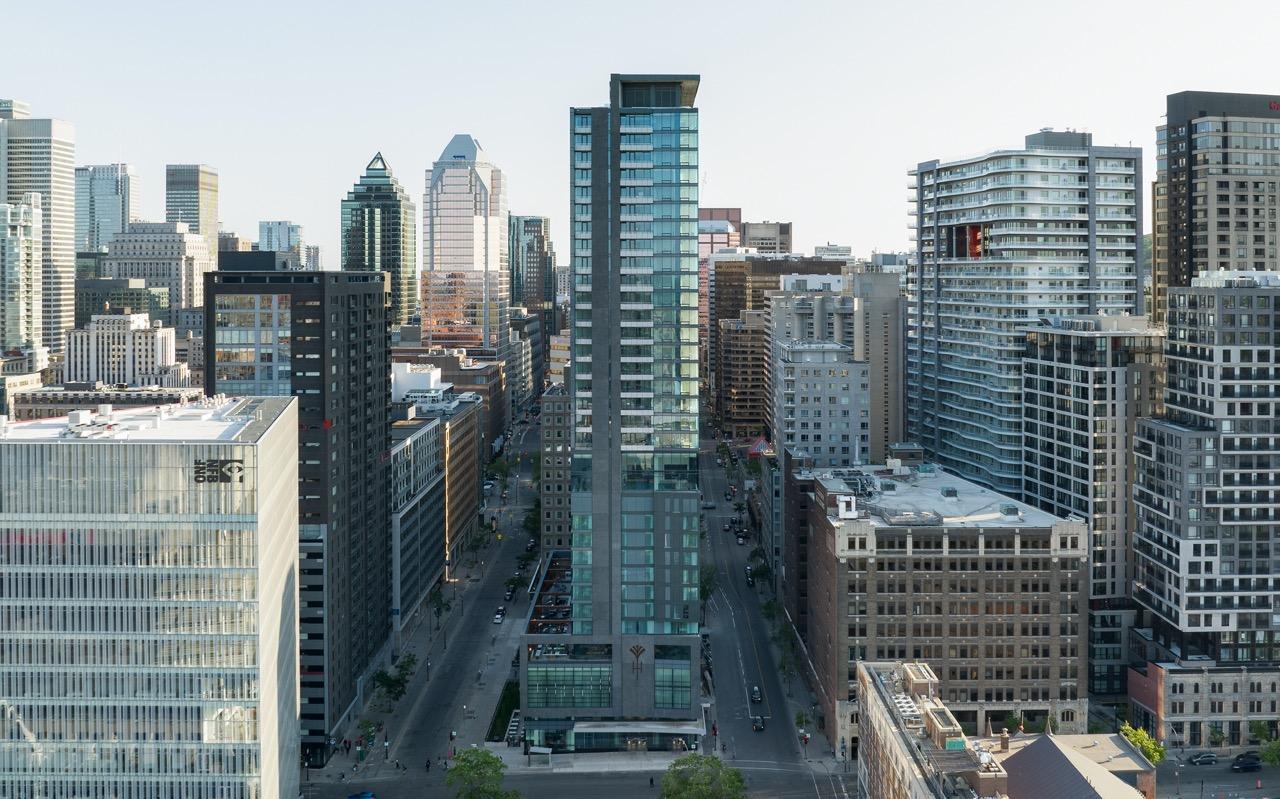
(497, 618)
(727, 527)
(741, 540)
(755, 694)
(1247, 765)
(757, 723)
(751, 580)
(748, 567)
(708, 506)
(510, 595)
(1203, 759)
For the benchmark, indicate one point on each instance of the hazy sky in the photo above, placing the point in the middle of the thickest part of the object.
(811, 112)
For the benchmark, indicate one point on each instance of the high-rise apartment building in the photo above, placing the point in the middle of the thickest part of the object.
(37, 156)
(533, 263)
(106, 202)
(1005, 631)
(465, 231)
(1216, 190)
(150, 573)
(866, 315)
(717, 229)
(627, 651)
(1086, 381)
(557, 446)
(21, 276)
(1206, 489)
(270, 333)
(821, 401)
(380, 234)
(767, 237)
(1004, 239)
(744, 370)
(166, 255)
(191, 196)
(282, 236)
(119, 347)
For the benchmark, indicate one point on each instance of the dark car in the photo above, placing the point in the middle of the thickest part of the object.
(755, 694)
(757, 723)
(510, 595)
(1203, 759)
(751, 580)
(363, 795)
(1247, 765)
(1250, 755)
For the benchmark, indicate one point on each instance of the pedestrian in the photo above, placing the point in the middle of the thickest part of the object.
(651, 782)
(428, 764)
(342, 777)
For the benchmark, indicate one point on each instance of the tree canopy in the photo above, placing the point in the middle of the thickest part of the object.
(477, 774)
(1150, 747)
(702, 777)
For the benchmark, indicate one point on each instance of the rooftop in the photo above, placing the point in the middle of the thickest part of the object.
(894, 495)
(211, 419)
(1098, 325)
(1109, 750)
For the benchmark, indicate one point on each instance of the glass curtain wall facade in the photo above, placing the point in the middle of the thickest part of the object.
(533, 262)
(191, 196)
(148, 604)
(106, 202)
(465, 260)
(632, 570)
(380, 234)
(1003, 240)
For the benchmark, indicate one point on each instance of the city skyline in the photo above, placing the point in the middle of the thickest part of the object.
(282, 167)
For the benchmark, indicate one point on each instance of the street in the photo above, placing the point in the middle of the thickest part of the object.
(1174, 779)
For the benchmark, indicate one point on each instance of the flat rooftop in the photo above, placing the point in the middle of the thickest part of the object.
(211, 419)
(926, 496)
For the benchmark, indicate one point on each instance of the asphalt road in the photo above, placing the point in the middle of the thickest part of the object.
(1174, 779)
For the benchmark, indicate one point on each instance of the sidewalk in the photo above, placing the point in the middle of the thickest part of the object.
(587, 763)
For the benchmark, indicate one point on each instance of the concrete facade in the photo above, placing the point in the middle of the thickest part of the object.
(166, 255)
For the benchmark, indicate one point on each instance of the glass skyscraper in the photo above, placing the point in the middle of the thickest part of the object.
(465, 259)
(626, 654)
(106, 202)
(380, 234)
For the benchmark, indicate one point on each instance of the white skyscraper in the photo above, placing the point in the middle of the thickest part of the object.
(465, 260)
(20, 273)
(166, 255)
(282, 236)
(149, 619)
(106, 202)
(124, 348)
(38, 156)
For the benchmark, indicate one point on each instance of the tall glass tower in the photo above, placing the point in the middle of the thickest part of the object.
(631, 574)
(380, 234)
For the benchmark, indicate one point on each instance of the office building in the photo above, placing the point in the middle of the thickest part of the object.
(380, 234)
(21, 276)
(106, 202)
(519, 367)
(740, 281)
(558, 360)
(1087, 380)
(96, 295)
(283, 236)
(911, 562)
(314, 259)
(465, 231)
(717, 229)
(911, 746)
(166, 255)
(151, 592)
(119, 347)
(267, 334)
(47, 402)
(821, 401)
(744, 370)
(419, 387)
(866, 315)
(231, 242)
(189, 342)
(1206, 497)
(191, 196)
(1216, 189)
(260, 261)
(992, 259)
(37, 156)
(527, 327)
(417, 517)
(834, 252)
(533, 263)
(767, 237)
(564, 287)
(485, 379)
(89, 264)
(557, 448)
(611, 649)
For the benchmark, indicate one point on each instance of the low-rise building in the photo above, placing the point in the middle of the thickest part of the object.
(911, 745)
(913, 563)
(1092, 766)
(48, 402)
(1195, 702)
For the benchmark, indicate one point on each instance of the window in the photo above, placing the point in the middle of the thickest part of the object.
(671, 686)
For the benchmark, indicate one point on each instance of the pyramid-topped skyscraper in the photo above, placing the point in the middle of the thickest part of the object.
(379, 234)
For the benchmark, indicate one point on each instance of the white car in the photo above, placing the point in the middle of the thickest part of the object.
(497, 618)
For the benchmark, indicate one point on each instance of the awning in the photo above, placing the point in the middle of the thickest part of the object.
(641, 727)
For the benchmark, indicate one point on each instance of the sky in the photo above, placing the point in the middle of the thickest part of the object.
(811, 112)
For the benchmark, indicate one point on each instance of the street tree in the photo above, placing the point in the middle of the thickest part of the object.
(478, 774)
(763, 574)
(439, 605)
(758, 553)
(1260, 730)
(702, 777)
(1150, 747)
(771, 610)
(1270, 753)
(787, 669)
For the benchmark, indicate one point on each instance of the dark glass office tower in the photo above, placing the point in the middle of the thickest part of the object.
(612, 648)
(322, 337)
(533, 263)
(380, 234)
